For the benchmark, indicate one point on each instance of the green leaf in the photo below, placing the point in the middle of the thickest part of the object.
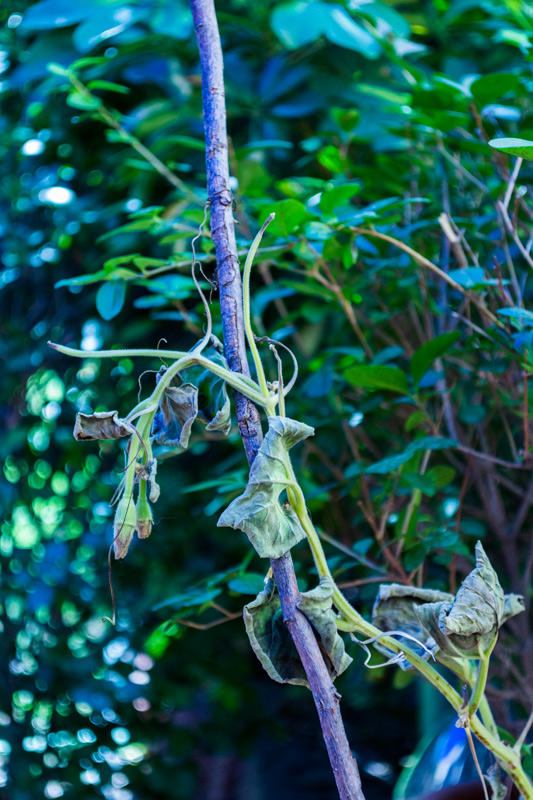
(83, 101)
(105, 22)
(468, 277)
(194, 597)
(271, 528)
(342, 30)
(517, 313)
(110, 299)
(289, 214)
(108, 86)
(298, 23)
(377, 377)
(249, 583)
(263, 144)
(391, 463)
(129, 227)
(441, 475)
(273, 644)
(414, 420)
(55, 14)
(82, 280)
(491, 87)
(57, 69)
(338, 196)
(522, 148)
(424, 357)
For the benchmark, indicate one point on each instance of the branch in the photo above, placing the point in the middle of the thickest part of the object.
(229, 279)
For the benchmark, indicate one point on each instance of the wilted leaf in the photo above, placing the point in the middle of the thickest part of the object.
(498, 790)
(100, 425)
(394, 610)
(214, 406)
(176, 414)
(472, 621)
(514, 604)
(271, 528)
(273, 644)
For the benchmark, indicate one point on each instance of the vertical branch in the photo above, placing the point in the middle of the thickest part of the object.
(221, 204)
(229, 279)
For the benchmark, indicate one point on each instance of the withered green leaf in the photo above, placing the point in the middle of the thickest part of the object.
(514, 604)
(213, 402)
(100, 425)
(271, 528)
(177, 411)
(272, 642)
(471, 622)
(394, 610)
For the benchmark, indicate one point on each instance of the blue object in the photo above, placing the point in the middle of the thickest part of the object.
(440, 761)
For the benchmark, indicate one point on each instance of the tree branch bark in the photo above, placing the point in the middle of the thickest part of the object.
(229, 280)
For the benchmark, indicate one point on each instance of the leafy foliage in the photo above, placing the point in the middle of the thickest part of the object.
(368, 121)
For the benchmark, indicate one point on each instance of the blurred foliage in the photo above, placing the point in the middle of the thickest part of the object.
(341, 116)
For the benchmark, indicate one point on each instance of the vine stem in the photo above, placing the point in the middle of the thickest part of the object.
(351, 621)
(231, 305)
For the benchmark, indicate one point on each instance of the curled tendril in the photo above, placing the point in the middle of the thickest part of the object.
(273, 344)
(395, 659)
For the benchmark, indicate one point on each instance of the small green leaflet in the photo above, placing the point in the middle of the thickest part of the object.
(338, 196)
(378, 377)
(517, 313)
(194, 597)
(110, 299)
(426, 355)
(522, 148)
(468, 277)
(249, 583)
(426, 443)
(491, 87)
(289, 215)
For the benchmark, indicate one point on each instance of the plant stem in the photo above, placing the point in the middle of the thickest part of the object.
(351, 620)
(242, 383)
(481, 679)
(222, 228)
(246, 306)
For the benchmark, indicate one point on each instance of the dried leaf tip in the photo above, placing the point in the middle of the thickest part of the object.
(124, 526)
